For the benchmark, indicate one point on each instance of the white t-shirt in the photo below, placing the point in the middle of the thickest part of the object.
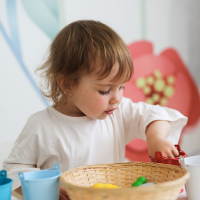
(51, 137)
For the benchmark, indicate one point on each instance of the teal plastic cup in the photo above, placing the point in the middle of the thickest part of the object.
(41, 185)
(5, 186)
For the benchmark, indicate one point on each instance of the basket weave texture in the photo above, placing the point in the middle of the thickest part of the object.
(168, 180)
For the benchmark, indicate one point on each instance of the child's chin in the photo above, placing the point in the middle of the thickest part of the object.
(101, 117)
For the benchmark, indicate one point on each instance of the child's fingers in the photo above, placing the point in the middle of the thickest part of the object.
(63, 194)
(62, 197)
(172, 153)
(175, 151)
(63, 191)
(169, 155)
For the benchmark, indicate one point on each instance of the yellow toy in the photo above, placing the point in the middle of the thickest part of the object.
(104, 186)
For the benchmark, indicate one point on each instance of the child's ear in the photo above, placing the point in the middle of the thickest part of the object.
(61, 82)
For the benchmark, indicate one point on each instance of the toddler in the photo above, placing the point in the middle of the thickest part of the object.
(90, 121)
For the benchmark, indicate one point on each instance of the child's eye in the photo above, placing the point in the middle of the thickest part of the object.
(104, 93)
(122, 87)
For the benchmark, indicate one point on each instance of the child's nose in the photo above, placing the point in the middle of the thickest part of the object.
(116, 98)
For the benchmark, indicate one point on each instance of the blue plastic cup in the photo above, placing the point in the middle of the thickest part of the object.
(5, 186)
(41, 185)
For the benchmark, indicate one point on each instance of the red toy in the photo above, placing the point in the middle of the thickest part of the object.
(165, 160)
(172, 161)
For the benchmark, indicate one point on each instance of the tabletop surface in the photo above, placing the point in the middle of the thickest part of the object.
(181, 196)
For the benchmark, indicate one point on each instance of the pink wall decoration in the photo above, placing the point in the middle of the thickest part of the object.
(164, 80)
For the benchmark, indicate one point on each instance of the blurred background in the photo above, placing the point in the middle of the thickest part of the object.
(163, 37)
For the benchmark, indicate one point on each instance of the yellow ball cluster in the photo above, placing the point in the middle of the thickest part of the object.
(104, 186)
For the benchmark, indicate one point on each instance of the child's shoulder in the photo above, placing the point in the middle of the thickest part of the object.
(128, 106)
(40, 118)
(38, 126)
(38, 115)
(126, 102)
(125, 106)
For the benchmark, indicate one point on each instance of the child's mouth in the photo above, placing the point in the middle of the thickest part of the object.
(109, 112)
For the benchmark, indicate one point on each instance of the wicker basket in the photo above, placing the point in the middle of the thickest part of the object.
(169, 180)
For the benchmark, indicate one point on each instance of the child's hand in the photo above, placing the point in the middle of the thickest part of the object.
(163, 145)
(63, 194)
(156, 135)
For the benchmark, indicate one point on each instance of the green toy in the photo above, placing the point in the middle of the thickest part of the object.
(141, 180)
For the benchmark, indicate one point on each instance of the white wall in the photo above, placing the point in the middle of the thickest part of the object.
(169, 23)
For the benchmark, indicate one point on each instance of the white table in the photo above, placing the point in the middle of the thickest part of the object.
(182, 196)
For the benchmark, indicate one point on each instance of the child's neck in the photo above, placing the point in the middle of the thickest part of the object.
(69, 111)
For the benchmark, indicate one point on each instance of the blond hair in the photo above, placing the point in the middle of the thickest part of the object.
(75, 52)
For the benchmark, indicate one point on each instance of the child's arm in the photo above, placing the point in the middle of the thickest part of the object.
(156, 135)
(160, 126)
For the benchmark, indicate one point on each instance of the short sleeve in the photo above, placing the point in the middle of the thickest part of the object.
(136, 117)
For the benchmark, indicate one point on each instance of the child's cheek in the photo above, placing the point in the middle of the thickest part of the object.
(100, 102)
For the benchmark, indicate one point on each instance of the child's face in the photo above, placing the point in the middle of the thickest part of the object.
(97, 98)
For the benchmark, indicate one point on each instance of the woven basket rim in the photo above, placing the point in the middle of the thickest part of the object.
(155, 187)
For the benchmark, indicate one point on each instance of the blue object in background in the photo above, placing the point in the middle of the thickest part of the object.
(45, 14)
(5, 186)
(41, 185)
(14, 43)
